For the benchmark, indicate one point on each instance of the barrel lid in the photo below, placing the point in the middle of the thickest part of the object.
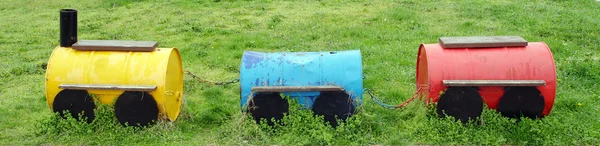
(115, 45)
(482, 41)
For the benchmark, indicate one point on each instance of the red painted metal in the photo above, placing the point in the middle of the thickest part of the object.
(531, 62)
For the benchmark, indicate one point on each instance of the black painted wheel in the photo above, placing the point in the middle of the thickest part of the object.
(136, 109)
(462, 103)
(268, 106)
(76, 102)
(521, 102)
(333, 104)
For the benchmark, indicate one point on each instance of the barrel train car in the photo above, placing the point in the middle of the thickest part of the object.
(143, 83)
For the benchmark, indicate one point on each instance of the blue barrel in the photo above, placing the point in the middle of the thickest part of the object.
(305, 76)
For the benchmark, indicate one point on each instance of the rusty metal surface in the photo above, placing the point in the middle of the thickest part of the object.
(482, 41)
(107, 87)
(494, 82)
(296, 88)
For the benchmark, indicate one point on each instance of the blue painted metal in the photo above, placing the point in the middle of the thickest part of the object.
(341, 68)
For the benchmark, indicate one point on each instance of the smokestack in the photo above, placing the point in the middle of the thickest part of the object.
(68, 27)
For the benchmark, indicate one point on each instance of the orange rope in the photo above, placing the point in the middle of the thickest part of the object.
(401, 105)
(415, 95)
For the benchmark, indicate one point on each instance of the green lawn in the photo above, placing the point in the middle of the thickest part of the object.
(212, 36)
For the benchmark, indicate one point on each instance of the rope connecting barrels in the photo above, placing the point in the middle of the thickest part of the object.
(197, 78)
(401, 105)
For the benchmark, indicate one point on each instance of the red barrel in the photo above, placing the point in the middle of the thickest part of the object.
(495, 73)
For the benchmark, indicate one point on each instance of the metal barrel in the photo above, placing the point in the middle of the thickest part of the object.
(313, 78)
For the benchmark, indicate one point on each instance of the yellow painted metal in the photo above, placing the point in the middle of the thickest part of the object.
(161, 67)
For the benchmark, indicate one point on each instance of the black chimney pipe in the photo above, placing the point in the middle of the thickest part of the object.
(68, 27)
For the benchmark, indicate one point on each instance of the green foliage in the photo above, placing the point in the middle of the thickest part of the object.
(302, 127)
(105, 129)
(117, 3)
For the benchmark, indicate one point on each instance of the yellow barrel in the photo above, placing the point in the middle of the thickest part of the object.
(122, 78)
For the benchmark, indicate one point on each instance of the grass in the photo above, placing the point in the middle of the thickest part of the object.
(212, 36)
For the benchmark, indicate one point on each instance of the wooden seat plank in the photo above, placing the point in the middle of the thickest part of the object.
(107, 87)
(482, 41)
(115, 45)
(296, 88)
(494, 83)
